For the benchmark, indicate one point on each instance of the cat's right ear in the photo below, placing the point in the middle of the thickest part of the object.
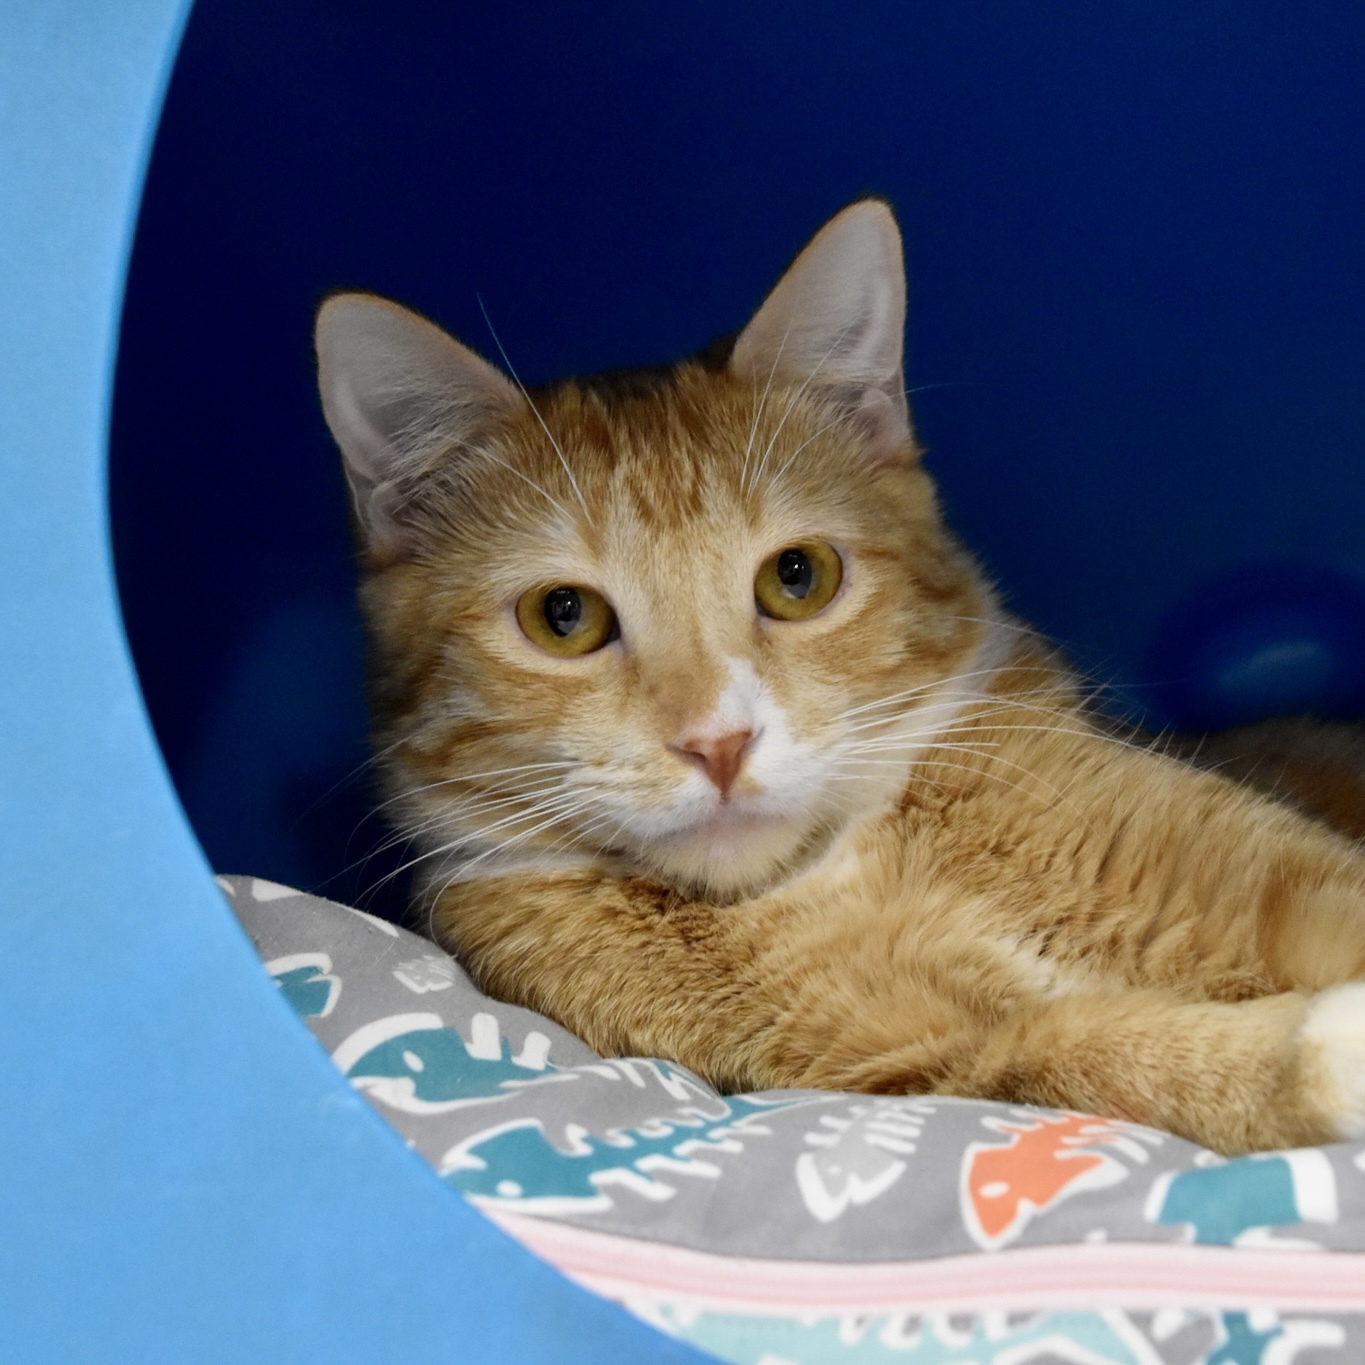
(397, 391)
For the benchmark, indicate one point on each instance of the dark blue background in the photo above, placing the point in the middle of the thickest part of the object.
(1136, 340)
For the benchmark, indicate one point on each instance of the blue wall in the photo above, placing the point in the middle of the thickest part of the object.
(1138, 284)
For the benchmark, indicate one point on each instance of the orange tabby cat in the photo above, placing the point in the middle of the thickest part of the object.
(718, 746)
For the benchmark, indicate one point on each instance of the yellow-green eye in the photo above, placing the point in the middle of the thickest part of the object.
(566, 620)
(798, 581)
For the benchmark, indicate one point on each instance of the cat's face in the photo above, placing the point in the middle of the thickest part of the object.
(692, 630)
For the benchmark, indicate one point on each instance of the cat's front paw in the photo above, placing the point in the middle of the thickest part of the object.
(1333, 1037)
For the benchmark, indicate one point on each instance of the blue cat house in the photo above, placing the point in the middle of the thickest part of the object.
(183, 1175)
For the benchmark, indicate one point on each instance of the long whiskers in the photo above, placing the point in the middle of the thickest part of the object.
(942, 684)
(563, 805)
(982, 710)
(473, 805)
(465, 864)
(409, 792)
(573, 482)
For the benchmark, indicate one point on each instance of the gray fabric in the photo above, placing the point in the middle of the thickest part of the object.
(520, 1115)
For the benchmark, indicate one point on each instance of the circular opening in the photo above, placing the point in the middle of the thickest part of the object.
(1134, 342)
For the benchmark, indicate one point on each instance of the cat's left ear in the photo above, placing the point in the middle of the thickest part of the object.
(835, 322)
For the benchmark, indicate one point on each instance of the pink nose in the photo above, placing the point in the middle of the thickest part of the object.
(720, 758)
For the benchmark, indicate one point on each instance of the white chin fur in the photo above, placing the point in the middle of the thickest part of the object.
(730, 855)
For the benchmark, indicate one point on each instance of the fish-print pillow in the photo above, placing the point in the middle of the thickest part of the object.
(794, 1227)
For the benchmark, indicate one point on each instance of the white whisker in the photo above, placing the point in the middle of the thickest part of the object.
(512, 469)
(758, 409)
(573, 482)
(829, 426)
(544, 769)
(563, 806)
(796, 398)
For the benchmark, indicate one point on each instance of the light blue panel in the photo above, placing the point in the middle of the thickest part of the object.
(183, 1176)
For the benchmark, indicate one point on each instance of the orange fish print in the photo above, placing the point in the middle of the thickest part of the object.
(1046, 1159)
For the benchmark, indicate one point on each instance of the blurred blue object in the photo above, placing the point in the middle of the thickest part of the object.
(1262, 640)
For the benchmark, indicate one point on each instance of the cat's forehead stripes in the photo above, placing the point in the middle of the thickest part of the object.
(695, 447)
(662, 456)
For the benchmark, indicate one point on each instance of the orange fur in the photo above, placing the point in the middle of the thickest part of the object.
(964, 884)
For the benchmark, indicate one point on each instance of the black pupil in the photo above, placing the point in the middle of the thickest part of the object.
(795, 572)
(563, 610)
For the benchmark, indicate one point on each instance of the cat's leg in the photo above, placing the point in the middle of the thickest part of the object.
(1279, 1071)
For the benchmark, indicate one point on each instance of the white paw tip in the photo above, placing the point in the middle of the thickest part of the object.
(1335, 1030)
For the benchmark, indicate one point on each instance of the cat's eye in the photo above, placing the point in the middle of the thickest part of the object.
(566, 620)
(798, 581)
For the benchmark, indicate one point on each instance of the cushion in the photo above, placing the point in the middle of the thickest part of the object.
(808, 1226)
